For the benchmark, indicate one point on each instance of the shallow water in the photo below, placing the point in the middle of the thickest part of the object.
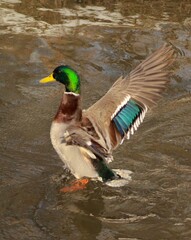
(101, 41)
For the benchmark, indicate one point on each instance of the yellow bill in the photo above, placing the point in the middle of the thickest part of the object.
(48, 79)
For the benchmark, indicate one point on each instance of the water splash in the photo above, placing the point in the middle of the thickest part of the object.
(125, 178)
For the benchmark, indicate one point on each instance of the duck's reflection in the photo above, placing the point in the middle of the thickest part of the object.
(89, 207)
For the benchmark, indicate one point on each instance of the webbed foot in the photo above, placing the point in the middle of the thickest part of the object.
(76, 185)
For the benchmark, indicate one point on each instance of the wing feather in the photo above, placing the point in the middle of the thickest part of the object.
(124, 106)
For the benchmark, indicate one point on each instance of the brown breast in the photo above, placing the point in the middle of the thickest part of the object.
(69, 109)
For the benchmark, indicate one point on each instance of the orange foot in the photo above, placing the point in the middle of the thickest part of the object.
(76, 185)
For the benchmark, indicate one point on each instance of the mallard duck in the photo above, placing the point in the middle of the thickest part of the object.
(85, 139)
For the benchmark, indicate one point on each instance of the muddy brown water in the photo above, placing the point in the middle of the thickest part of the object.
(101, 40)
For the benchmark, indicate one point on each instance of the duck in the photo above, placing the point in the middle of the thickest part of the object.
(86, 139)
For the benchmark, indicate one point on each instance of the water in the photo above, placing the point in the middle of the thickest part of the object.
(101, 40)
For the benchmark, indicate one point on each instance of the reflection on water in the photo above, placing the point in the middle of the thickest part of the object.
(101, 40)
(49, 18)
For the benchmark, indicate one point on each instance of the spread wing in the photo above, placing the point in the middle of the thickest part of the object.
(121, 110)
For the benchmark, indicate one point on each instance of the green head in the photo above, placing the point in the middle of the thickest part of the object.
(67, 76)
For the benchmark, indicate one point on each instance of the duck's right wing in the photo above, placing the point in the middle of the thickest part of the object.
(121, 110)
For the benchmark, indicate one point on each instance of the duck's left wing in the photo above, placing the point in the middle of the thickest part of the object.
(78, 137)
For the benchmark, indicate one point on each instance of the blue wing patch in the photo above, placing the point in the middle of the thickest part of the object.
(126, 116)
